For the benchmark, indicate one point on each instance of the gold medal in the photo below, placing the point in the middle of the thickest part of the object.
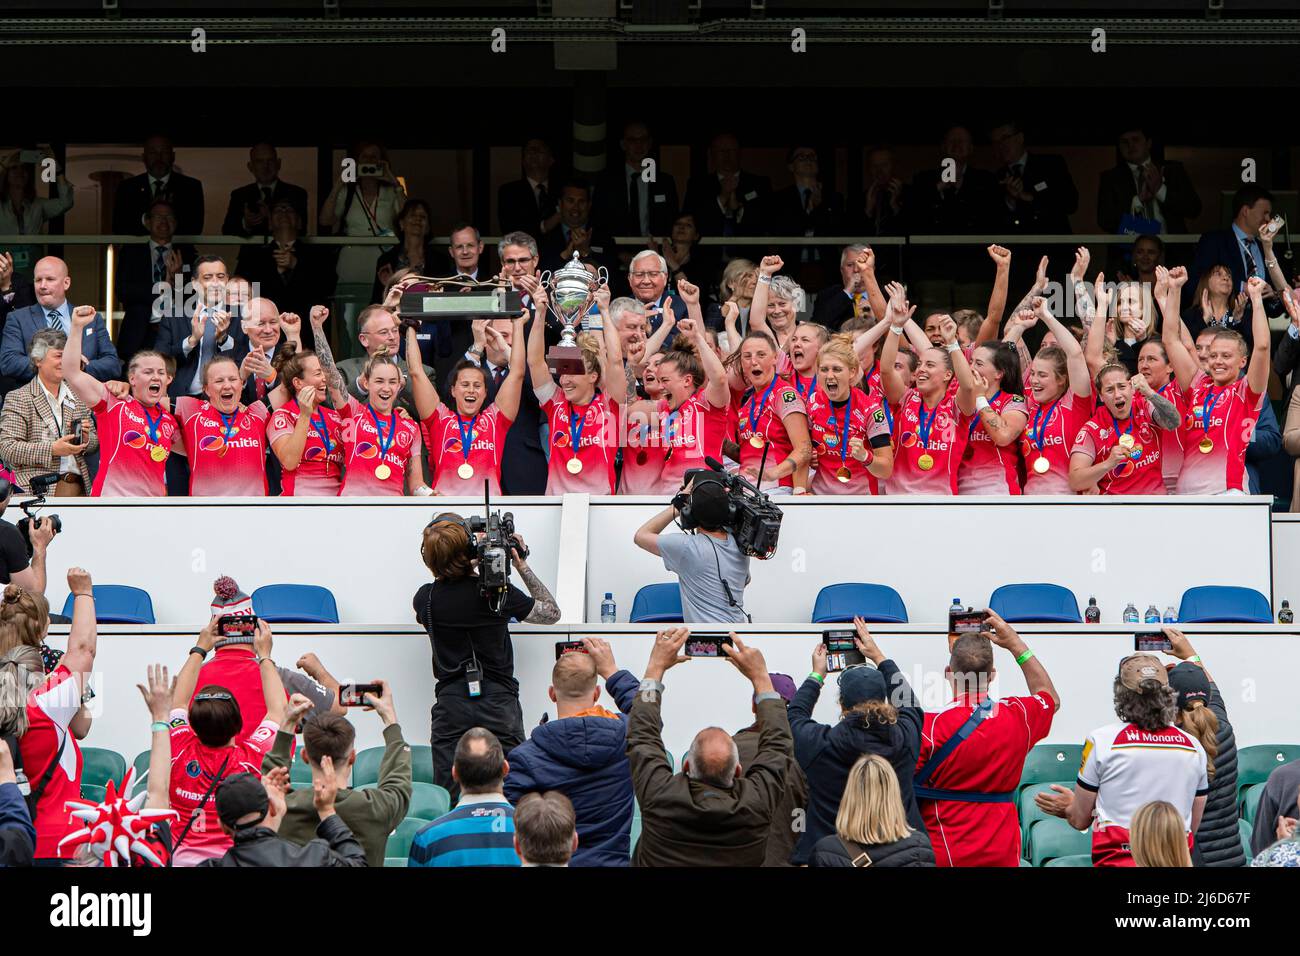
(1206, 446)
(756, 441)
(925, 462)
(1126, 441)
(382, 472)
(574, 465)
(465, 471)
(1042, 465)
(843, 474)
(158, 453)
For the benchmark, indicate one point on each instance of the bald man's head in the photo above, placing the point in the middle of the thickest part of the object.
(51, 279)
(713, 758)
(574, 678)
(261, 323)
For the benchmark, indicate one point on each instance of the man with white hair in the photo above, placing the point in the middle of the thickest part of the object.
(648, 278)
(837, 304)
(715, 812)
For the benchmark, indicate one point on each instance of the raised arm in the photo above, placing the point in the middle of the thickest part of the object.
(769, 267)
(1096, 316)
(188, 678)
(1171, 329)
(866, 266)
(647, 536)
(960, 367)
(272, 686)
(863, 344)
(1261, 350)
(82, 384)
(338, 388)
(896, 315)
(613, 375)
(717, 391)
(1163, 412)
(998, 298)
(158, 698)
(667, 321)
(83, 635)
(512, 387)
(538, 370)
(1076, 365)
(1040, 283)
(423, 390)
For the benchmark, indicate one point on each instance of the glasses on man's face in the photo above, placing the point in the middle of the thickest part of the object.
(644, 275)
(517, 262)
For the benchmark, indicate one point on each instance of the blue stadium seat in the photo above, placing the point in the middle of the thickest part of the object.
(295, 604)
(118, 604)
(1215, 604)
(1035, 604)
(657, 604)
(877, 603)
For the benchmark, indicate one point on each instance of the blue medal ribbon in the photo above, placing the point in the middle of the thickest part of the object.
(322, 429)
(1037, 433)
(844, 433)
(466, 437)
(575, 434)
(1208, 408)
(392, 430)
(812, 386)
(762, 404)
(971, 434)
(153, 424)
(228, 424)
(922, 426)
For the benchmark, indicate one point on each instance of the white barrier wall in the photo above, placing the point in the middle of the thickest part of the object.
(1286, 560)
(1254, 666)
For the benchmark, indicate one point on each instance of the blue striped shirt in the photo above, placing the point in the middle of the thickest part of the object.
(476, 833)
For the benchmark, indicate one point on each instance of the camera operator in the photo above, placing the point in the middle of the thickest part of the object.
(473, 660)
(16, 564)
(711, 569)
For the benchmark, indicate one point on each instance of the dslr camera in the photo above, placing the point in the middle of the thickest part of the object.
(41, 486)
(751, 517)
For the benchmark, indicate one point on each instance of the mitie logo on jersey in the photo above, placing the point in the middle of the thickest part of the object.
(77, 909)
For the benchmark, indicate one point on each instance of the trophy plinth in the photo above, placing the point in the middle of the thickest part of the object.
(570, 292)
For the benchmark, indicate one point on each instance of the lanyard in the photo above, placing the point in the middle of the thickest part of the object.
(322, 429)
(1127, 431)
(804, 393)
(154, 424)
(922, 426)
(392, 429)
(971, 434)
(1037, 434)
(228, 424)
(466, 437)
(844, 433)
(762, 403)
(670, 426)
(1208, 409)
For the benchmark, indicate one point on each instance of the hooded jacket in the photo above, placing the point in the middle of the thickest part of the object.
(585, 758)
(828, 752)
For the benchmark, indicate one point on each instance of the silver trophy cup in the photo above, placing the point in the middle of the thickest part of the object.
(569, 293)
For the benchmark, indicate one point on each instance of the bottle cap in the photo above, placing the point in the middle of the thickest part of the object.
(609, 594)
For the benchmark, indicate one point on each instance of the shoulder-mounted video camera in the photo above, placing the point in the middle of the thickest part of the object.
(751, 517)
(491, 542)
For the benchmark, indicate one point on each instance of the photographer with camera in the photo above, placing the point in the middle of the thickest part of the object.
(466, 612)
(22, 548)
(712, 570)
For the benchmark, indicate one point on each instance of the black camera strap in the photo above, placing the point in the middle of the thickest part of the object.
(726, 587)
(221, 772)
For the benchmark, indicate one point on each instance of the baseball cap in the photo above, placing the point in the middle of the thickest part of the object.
(861, 683)
(238, 796)
(783, 684)
(1190, 682)
(1139, 667)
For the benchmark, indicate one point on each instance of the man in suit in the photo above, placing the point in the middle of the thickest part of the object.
(146, 274)
(39, 423)
(443, 344)
(1150, 195)
(52, 311)
(805, 208)
(648, 277)
(527, 204)
(160, 179)
(1239, 248)
(1038, 193)
(886, 197)
(576, 233)
(249, 211)
(837, 304)
(16, 292)
(292, 274)
(198, 328)
(727, 201)
(626, 203)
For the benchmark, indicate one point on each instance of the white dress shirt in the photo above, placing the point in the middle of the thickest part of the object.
(58, 404)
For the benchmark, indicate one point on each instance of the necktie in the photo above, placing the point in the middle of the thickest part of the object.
(544, 205)
(1250, 259)
(266, 195)
(160, 265)
(633, 204)
(498, 376)
(208, 344)
(56, 321)
(158, 188)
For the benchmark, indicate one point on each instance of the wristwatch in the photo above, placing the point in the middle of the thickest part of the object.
(203, 655)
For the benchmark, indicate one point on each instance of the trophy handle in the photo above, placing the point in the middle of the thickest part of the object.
(602, 276)
(544, 277)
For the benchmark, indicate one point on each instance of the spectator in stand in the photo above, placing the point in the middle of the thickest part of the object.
(292, 274)
(1139, 196)
(528, 204)
(1245, 246)
(878, 715)
(146, 279)
(871, 826)
(1038, 193)
(481, 830)
(576, 233)
(251, 811)
(1158, 837)
(53, 311)
(783, 834)
(847, 299)
(45, 713)
(973, 751)
(193, 331)
(739, 280)
(22, 213)
(1285, 852)
(686, 261)
(648, 277)
(16, 291)
(1146, 253)
(44, 428)
(17, 834)
(582, 754)
(546, 833)
(1279, 808)
(414, 250)
(1202, 713)
(379, 335)
(726, 201)
(209, 743)
(955, 198)
(886, 196)
(805, 208)
(249, 210)
(1142, 758)
(371, 814)
(636, 198)
(713, 813)
(160, 179)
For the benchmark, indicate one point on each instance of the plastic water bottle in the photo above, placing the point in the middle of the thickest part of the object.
(1285, 615)
(1092, 614)
(1171, 616)
(1131, 614)
(1152, 616)
(608, 609)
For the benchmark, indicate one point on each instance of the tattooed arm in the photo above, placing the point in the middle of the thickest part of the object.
(338, 388)
(1163, 412)
(545, 610)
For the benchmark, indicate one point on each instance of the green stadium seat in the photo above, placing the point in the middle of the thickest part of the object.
(395, 861)
(421, 763)
(399, 841)
(300, 769)
(1250, 802)
(1048, 763)
(1074, 859)
(93, 792)
(366, 768)
(428, 801)
(1049, 839)
(1024, 862)
(1244, 830)
(1029, 812)
(141, 765)
(100, 766)
(1254, 764)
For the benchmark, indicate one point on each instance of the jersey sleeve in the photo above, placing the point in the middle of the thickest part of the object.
(262, 737)
(296, 682)
(259, 411)
(280, 424)
(60, 697)
(185, 407)
(1085, 443)
(179, 731)
(1090, 767)
(1016, 403)
(786, 401)
(1039, 711)
(107, 403)
(877, 428)
(545, 393)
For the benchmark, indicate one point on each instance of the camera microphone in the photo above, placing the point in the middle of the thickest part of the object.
(713, 463)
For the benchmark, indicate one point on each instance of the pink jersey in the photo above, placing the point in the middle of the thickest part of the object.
(592, 430)
(51, 706)
(940, 433)
(1050, 434)
(1217, 427)
(804, 386)
(832, 430)
(986, 467)
(1140, 473)
(128, 435)
(455, 442)
(227, 453)
(362, 444)
(320, 470)
(760, 415)
(643, 453)
(688, 435)
(1171, 442)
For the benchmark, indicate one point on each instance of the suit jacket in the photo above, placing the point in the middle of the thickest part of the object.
(784, 215)
(965, 208)
(1220, 246)
(21, 294)
(135, 290)
(518, 209)
(310, 282)
(16, 343)
(133, 196)
(702, 202)
(28, 430)
(552, 245)
(612, 216)
(1047, 179)
(251, 195)
(173, 330)
(1116, 189)
(832, 308)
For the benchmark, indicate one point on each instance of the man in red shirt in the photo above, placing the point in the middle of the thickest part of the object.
(973, 752)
